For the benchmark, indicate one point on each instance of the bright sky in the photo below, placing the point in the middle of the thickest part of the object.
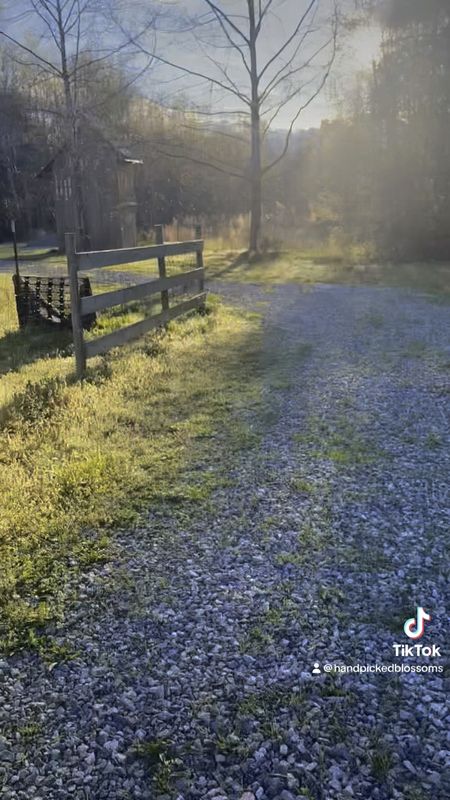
(194, 51)
(356, 54)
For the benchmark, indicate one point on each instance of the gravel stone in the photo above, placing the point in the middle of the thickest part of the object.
(329, 519)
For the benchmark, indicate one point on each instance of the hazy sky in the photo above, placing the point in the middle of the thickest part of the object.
(356, 53)
(194, 50)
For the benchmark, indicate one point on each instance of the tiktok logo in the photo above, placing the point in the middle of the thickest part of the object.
(414, 628)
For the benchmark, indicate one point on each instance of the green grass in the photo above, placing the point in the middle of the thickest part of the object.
(297, 266)
(267, 702)
(21, 347)
(302, 486)
(341, 443)
(256, 641)
(416, 349)
(18, 349)
(434, 440)
(7, 251)
(29, 731)
(153, 750)
(373, 319)
(77, 460)
(381, 764)
(45, 255)
(304, 266)
(164, 768)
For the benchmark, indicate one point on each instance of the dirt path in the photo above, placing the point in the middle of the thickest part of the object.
(194, 676)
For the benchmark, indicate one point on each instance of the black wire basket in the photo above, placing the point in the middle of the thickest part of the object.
(47, 300)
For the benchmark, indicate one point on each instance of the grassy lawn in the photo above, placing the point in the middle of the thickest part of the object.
(29, 253)
(79, 460)
(298, 267)
(295, 266)
(286, 266)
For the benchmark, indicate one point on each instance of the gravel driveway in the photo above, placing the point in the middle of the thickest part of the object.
(195, 680)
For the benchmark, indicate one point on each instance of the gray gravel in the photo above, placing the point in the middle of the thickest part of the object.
(193, 677)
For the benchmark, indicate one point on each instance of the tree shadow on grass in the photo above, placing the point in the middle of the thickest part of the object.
(245, 259)
(25, 257)
(31, 343)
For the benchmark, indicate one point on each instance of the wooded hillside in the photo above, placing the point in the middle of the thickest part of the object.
(376, 176)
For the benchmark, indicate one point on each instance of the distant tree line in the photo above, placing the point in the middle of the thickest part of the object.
(377, 177)
(174, 182)
(195, 164)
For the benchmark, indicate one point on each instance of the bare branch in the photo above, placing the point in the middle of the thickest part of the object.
(217, 132)
(226, 19)
(284, 77)
(48, 9)
(78, 17)
(110, 52)
(275, 109)
(70, 12)
(203, 163)
(121, 88)
(262, 14)
(291, 60)
(288, 41)
(273, 164)
(77, 51)
(31, 52)
(46, 22)
(194, 73)
(321, 85)
(202, 113)
(222, 70)
(221, 20)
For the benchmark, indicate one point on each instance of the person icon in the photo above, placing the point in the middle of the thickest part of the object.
(316, 670)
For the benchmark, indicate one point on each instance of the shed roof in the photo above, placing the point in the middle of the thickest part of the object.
(123, 155)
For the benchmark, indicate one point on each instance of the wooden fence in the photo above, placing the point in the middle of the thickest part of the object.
(83, 306)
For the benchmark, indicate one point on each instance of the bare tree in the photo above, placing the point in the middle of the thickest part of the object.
(55, 40)
(241, 51)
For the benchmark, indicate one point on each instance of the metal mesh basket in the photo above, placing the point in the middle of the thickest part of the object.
(47, 300)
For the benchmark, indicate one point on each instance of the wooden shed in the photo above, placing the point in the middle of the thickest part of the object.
(105, 215)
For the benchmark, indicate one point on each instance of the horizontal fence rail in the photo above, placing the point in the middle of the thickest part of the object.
(97, 259)
(116, 338)
(81, 307)
(98, 302)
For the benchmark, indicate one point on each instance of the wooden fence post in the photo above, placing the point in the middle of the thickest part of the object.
(16, 257)
(198, 235)
(159, 230)
(77, 324)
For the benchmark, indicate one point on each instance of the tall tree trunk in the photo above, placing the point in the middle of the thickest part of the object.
(256, 185)
(255, 157)
(11, 169)
(71, 126)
